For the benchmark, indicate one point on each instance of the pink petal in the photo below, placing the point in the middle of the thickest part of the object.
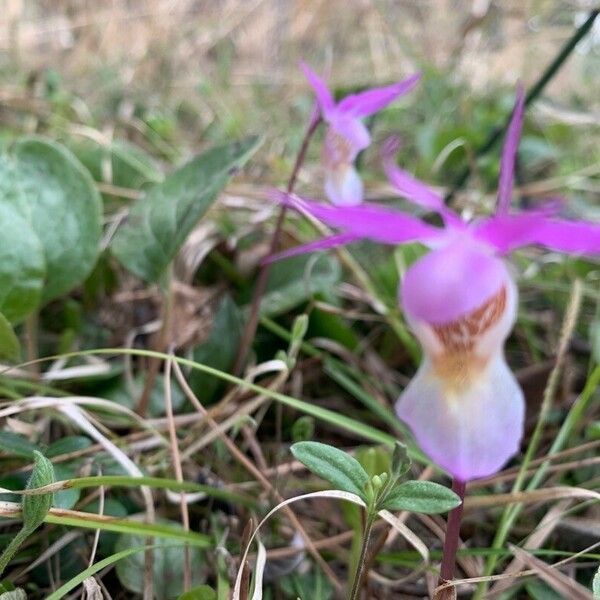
(507, 232)
(334, 241)
(369, 102)
(470, 433)
(367, 220)
(451, 281)
(509, 153)
(344, 187)
(324, 97)
(352, 130)
(411, 188)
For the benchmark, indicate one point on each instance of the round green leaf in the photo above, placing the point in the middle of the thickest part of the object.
(339, 468)
(22, 265)
(66, 211)
(420, 496)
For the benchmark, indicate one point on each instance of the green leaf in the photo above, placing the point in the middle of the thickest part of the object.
(297, 279)
(65, 498)
(22, 265)
(592, 431)
(130, 165)
(161, 220)
(596, 584)
(168, 567)
(339, 468)
(203, 592)
(420, 496)
(538, 590)
(10, 348)
(219, 350)
(67, 445)
(18, 445)
(36, 507)
(400, 461)
(11, 191)
(303, 429)
(66, 211)
(374, 459)
(311, 585)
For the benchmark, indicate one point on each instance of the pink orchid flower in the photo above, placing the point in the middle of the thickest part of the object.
(346, 135)
(464, 405)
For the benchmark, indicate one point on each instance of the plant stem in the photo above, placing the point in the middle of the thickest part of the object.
(15, 543)
(533, 93)
(263, 276)
(452, 535)
(360, 567)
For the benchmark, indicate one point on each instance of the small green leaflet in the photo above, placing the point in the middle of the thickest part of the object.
(339, 468)
(596, 584)
(160, 221)
(203, 592)
(36, 507)
(421, 496)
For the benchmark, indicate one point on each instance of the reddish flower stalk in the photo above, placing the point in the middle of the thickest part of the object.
(452, 537)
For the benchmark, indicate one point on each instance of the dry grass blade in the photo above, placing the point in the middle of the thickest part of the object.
(405, 532)
(92, 590)
(536, 540)
(176, 457)
(558, 581)
(411, 537)
(543, 495)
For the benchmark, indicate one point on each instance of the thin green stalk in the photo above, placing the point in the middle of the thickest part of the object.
(13, 547)
(360, 567)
